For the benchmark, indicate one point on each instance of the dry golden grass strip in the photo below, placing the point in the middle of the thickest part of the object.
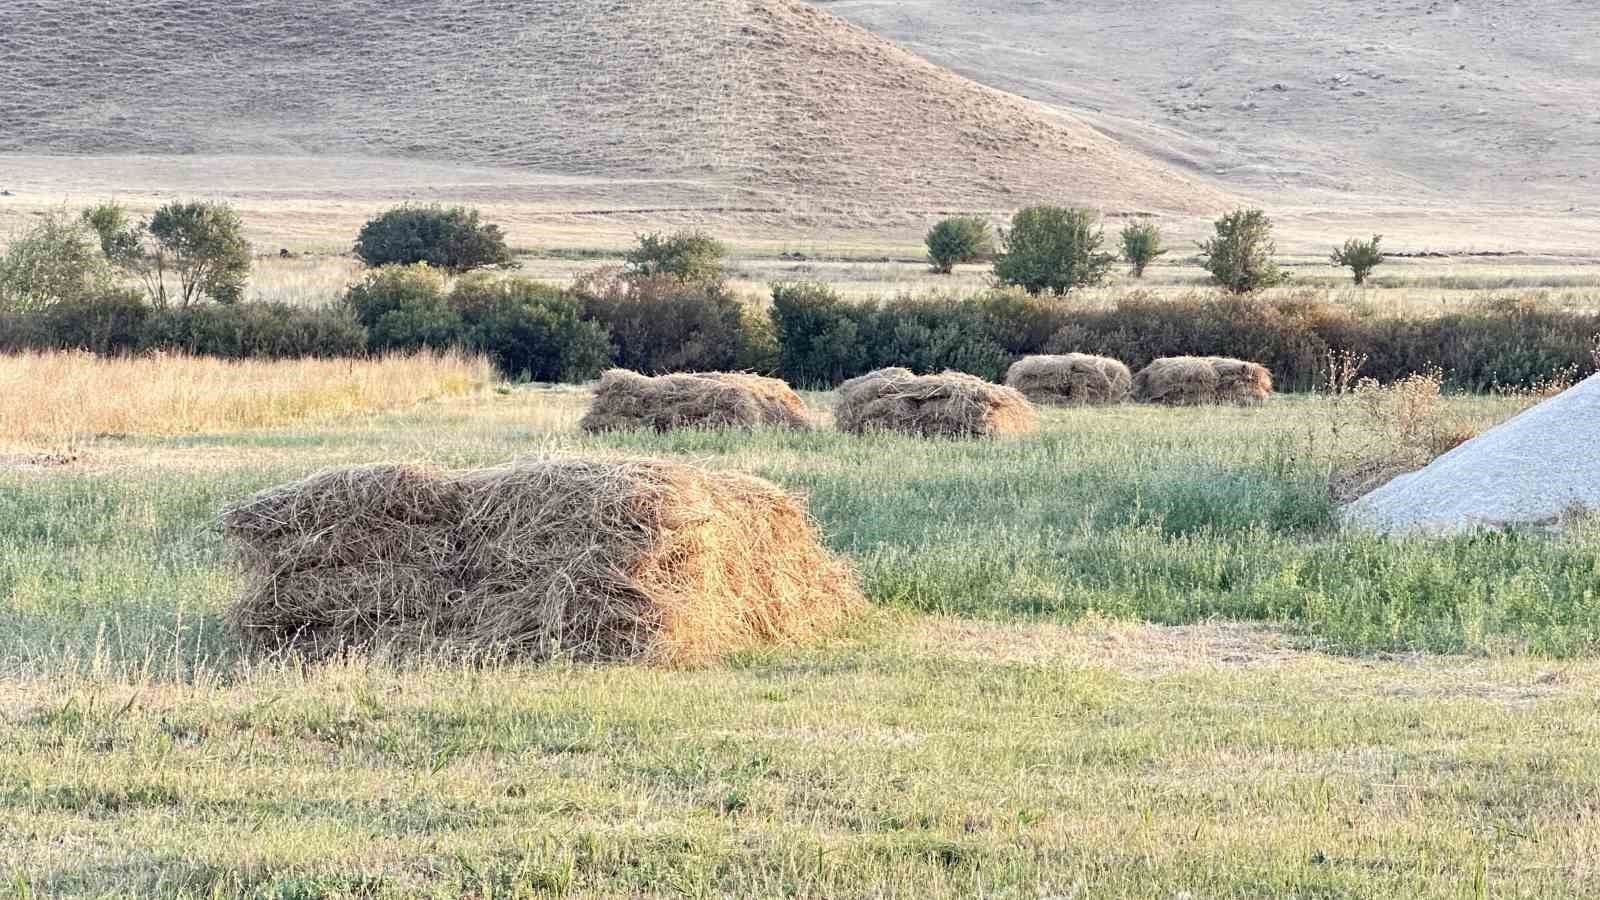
(1072, 378)
(50, 399)
(627, 400)
(1196, 380)
(598, 559)
(950, 404)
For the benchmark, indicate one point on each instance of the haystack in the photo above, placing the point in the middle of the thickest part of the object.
(1073, 378)
(627, 559)
(627, 400)
(951, 404)
(1193, 380)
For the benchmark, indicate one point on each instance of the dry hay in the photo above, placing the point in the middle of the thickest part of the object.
(1070, 379)
(628, 400)
(597, 559)
(950, 404)
(1194, 380)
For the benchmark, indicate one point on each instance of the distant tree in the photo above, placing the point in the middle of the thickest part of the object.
(203, 244)
(958, 239)
(1239, 257)
(120, 237)
(1141, 244)
(1360, 257)
(57, 260)
(452, 239)
(689, 256)
(1052, 249)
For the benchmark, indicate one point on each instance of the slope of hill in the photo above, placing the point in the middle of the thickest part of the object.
(1458, 101)
(766, 102)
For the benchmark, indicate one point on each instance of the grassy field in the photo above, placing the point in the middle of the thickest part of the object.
(1130, 656)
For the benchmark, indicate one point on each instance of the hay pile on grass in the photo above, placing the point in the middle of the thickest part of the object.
(951, 404)
(627, 400)
(1073, 378)
(598, 559)
(1194, 380)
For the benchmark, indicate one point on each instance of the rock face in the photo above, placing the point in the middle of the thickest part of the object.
(1533, 470)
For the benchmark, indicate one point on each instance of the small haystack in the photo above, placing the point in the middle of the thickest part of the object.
(627, 400)
(950, 404)
(1071, 379)
(600, 559)
(1194, 380)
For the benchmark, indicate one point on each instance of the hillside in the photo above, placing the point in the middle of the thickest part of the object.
(771, 105)
(1422, 100)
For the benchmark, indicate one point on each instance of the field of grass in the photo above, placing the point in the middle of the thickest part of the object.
(1130, 656)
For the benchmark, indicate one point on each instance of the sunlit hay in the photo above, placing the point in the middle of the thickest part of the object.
(597, 559)
(951, 404)
(1073, 378)
(628, 400)
(1195, 380)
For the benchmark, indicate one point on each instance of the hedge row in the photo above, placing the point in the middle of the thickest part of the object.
(812, 337)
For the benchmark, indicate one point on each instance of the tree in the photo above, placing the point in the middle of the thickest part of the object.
(1054, 249)
(203, 244)
(1360, 257)
(120, 237)
(55, 261)
(689, 256)
(452, 239)
(1239, 257)
(1141, 244)
(958, 239)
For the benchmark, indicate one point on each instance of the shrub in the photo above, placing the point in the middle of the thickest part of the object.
(112, 321)
(529, 329)
(822, 339)
(120, 238)
(1360, 257)
(1239, 256)
(690, 256)
(451, 239)
(958, 239)
(1141, 244)
(204, 245)
(659, 323)
(405, 308)
(57, 260)
(255, 330)
(1054, 249)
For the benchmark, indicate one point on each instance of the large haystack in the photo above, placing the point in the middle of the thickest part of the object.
(597, 559)
(1074, 378)
(951, 404)
(627, 400)
(1194, 380)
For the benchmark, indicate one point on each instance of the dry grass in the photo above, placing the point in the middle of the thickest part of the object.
(627, 400)
(1194, 380)
(595, 558)
(58, 399)
(1070, 379)
(950, 404)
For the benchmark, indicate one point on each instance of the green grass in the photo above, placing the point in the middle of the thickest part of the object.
(1005, 724)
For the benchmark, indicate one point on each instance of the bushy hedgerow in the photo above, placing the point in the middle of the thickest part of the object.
(659, 323)
(255, 330)
(529, 329)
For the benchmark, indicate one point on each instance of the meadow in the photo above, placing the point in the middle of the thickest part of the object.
(1133, 655)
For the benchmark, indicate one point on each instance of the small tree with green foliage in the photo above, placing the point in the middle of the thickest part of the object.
(121, 239)
(452, 239)
(203, 245)
(57, 260)
(1141, 244)
(688, 256)
(956, 240)
(1052, 249)
(1239, 257)
(1360, 257)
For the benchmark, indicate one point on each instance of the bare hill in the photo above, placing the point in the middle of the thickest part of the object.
(1422, 100)
(770, 103)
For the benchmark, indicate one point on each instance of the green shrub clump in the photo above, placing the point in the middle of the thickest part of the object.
(1052, 249)
(661, 324)
(1239, 255)
(688, 256)
(452, 239)
(1360, 257)
(1141, 244)
(530, 330)
(57, 260)
(956, 240)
